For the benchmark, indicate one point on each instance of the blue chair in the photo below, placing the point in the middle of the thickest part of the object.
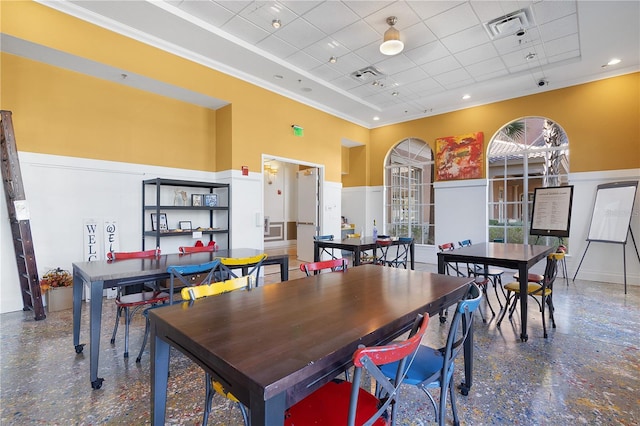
(346, 403)
(434, 368)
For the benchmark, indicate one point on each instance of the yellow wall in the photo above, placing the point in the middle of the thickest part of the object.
(61, 112)
(601, 119)
(258, 121)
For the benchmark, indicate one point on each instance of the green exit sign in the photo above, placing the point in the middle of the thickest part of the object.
(297, 130)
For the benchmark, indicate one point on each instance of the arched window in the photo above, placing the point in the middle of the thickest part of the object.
(408, 191)
(525, 154)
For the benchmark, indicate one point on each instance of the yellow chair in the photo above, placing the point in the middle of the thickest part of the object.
(250, 264)
(542, 289)
(189, 294)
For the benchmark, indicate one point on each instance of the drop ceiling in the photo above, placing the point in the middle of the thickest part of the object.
(489, 50)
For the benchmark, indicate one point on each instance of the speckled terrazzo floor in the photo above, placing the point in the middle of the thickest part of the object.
(586, 372)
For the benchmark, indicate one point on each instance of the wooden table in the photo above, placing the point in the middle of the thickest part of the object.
(357, 246)
(274, 345)
(520, 257)
(107, 274)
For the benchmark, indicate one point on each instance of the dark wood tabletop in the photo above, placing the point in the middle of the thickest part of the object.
(274, 345)
(101, 274)
(520, 257)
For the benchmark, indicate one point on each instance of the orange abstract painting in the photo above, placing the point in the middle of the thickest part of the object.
(460, 157)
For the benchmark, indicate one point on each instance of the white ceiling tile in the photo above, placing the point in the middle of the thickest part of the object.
(476, 54)
(466, 39)
(300, 33)
(427, 53)
(394, 64)
(366, 8)
(210, 12)
(429, 9)
(451, 77)
(547, 11)
(326, 72)
(325, 49)
(416, 35)
(244, 30)
(440, 66)
(371, 52)
(410, 76)
(491, 75)
(303, 61)
(489, 66)
(262, 14)
(349, 63)
(559, 28)
(276, 46)
(345, 82)
(330, 16)
(453, 20)
(489, 10)
(406, 17)
(234, 6)
(300, 7)
(356, 35)
(562, 45)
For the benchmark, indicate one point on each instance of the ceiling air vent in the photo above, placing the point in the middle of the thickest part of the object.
(367, 74)
(510, 24)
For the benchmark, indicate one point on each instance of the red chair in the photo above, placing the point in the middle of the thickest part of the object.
(316, 267)
(129, 304)
(198, 248)
(346, 403)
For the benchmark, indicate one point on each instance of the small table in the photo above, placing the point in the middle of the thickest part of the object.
(107, 274)
(275, 344)
(507, 255)
(357, 246)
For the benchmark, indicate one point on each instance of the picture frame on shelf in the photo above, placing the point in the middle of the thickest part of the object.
(211, 200)
(163, 224)
(197, 200)
(185, 225)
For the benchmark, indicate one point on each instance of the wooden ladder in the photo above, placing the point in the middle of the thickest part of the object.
(19, 219)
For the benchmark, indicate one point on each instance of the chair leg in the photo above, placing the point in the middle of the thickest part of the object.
(442, 414)
(144, 339)
(507, 307)
(115, 327)
(497, 281)
(208, 399)
(127, 321)
(454, 409)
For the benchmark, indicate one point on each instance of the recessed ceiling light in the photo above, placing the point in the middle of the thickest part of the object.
(530, 56)
(376, 118)
(333, 59)
(394, 93)
(278, 76)
(614, 61)
(465, 97)
(276, 23)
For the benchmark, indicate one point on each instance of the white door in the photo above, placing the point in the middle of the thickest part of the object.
(308, 206)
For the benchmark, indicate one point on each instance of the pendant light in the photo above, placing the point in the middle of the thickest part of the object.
(392, 45)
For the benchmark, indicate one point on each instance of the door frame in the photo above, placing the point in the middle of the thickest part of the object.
(320, 167)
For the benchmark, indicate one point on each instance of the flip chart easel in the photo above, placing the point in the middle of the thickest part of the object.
(611, 219)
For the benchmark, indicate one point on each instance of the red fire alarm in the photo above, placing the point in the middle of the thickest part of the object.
(245, 170)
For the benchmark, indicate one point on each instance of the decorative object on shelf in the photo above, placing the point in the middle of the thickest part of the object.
(185, 225)
(163, 226)
(211, 200)
(180, 198)
(57, 284)
(196, 200)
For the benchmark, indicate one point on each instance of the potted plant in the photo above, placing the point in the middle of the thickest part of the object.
(57, 284)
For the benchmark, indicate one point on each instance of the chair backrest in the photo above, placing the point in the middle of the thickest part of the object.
(400, 255)
(197, 249)
(454, 266)
(459, 330)
(464, 243)
(446, 247)
(383, 245)
(333, 264)
(369, 358)
(228, 264)
(178, 275)
(325, 250)
(213, 289)
(323, 237)
(121, 255)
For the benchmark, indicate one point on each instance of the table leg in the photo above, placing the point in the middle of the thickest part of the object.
(523, 272)
(284, 268)
(77, 312)
(94, 332)
(316, 251)
(159, 378)
(269, 412)
(412, 253)
(356, 257)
